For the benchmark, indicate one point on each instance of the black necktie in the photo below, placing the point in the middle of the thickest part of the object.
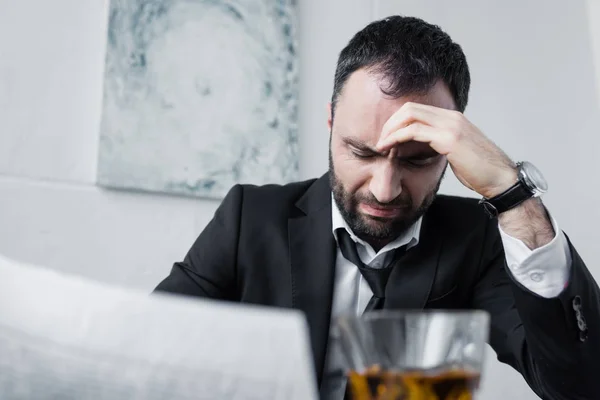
(376, 277)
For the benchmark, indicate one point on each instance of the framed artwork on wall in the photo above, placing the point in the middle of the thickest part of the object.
(199, 95)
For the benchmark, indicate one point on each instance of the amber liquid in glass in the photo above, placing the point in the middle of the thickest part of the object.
(381, 385)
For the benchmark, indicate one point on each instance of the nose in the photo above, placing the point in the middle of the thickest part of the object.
(386, 182)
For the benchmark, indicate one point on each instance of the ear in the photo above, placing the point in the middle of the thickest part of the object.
(329, 117)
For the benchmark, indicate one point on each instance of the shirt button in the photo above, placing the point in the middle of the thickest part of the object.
(514, 266)
(536, 276)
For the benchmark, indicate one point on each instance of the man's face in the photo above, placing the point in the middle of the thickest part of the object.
(380, 195)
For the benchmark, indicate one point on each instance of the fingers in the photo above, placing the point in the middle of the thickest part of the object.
(416, 131)
(443, 141)
(416, 112)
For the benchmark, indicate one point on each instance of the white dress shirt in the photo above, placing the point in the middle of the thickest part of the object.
(544, 271)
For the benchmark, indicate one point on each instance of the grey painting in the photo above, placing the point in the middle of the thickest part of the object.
(199, 95)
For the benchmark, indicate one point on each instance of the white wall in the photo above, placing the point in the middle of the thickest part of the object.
(533, 93)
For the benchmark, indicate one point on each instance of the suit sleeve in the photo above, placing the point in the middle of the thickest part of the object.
(553, 342)
(209, 268)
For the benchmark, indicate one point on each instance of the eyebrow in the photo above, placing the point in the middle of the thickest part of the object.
(359, 145)
(419, 155)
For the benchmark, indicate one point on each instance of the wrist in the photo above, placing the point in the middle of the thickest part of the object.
(513, 188)
(528, 222)
(505, 181)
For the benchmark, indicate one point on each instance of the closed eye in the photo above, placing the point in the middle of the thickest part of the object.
(363, 155)
(421, 162)
(359, 149)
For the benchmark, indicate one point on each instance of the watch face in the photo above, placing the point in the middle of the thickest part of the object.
(534, 178)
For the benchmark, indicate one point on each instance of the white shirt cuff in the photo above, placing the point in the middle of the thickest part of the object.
(545, 270)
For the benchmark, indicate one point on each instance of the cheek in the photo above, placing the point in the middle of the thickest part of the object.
(420, 184)
(352, 175)
(352, 172)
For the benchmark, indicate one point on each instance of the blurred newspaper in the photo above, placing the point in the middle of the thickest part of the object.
(62, 337)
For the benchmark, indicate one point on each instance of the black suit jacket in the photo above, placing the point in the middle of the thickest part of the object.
(273, 245)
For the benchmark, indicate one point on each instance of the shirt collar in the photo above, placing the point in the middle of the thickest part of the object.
(410, 237)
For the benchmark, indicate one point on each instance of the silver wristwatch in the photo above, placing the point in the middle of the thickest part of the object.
(530, 183)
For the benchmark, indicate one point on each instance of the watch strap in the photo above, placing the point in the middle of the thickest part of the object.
(507, 200)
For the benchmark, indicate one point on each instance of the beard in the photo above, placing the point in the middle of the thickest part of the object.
(375, 229)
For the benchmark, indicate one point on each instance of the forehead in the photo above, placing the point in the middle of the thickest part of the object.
(362, 108)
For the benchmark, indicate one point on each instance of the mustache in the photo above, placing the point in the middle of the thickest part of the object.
(401, 201)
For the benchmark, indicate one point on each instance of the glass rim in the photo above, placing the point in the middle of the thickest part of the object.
(399, 314)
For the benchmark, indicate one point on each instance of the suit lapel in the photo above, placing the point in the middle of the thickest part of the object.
(412, 279)
(312, 258)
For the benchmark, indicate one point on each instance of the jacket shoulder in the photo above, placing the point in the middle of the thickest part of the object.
(273, 199)
(292, 190)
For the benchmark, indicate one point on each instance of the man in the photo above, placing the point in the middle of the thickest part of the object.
(396, 121)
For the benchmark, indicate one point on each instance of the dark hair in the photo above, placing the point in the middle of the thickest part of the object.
(410, 54)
